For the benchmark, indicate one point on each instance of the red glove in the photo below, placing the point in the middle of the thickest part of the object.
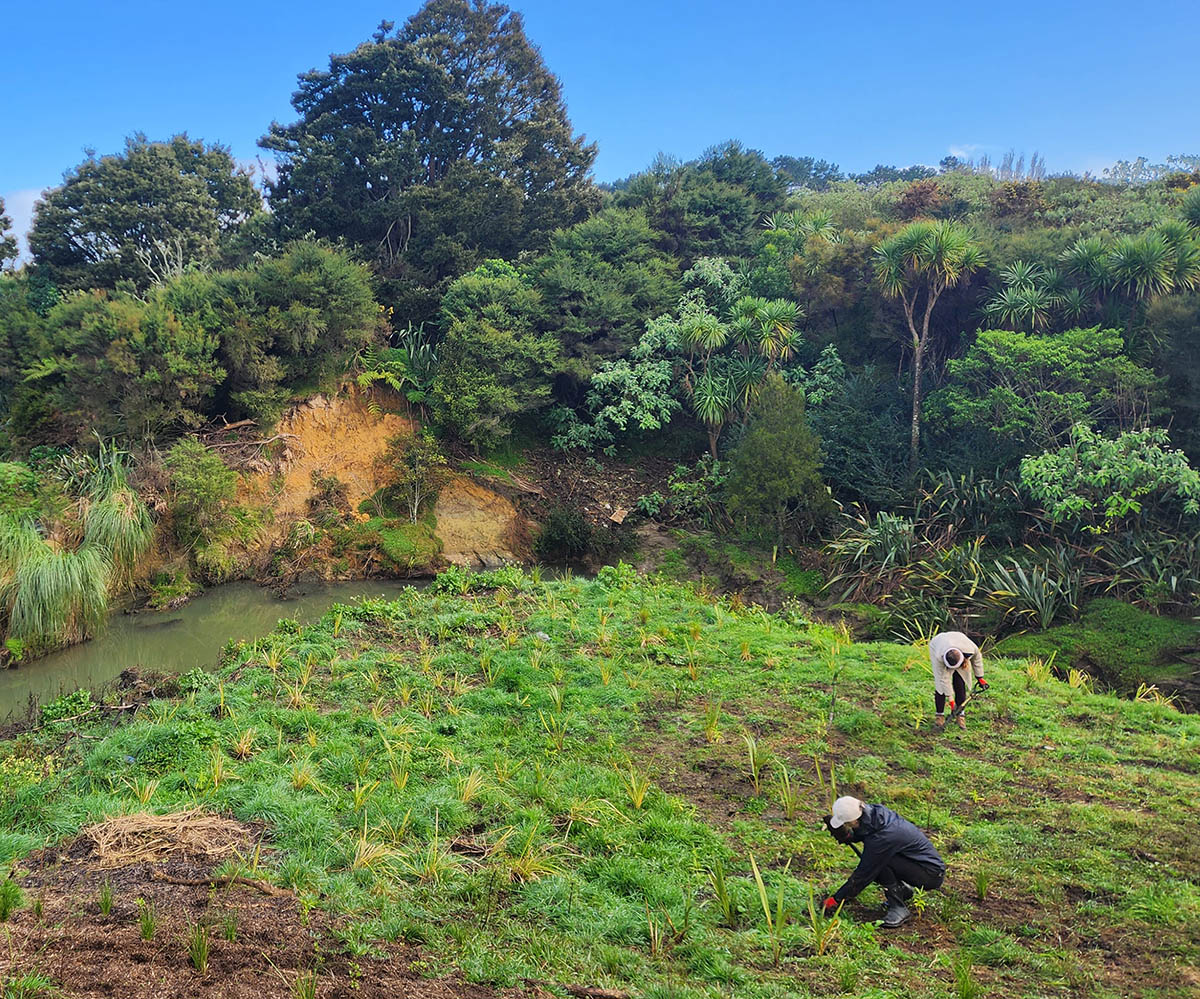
(981, 683)
(830, 906)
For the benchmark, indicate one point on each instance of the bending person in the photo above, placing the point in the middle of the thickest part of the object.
(896, 855)
(950, 654)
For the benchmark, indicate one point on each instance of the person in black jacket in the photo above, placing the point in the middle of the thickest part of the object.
(896, 855)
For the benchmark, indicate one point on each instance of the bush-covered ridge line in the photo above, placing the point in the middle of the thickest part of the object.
(483, 767)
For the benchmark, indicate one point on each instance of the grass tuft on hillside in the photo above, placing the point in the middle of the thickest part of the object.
(553, 781)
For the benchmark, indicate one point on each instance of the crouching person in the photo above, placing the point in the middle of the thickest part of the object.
(896, 855)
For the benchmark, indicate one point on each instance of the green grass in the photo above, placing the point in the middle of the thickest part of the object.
(490, 470)
(1125, 646)
(560, 725)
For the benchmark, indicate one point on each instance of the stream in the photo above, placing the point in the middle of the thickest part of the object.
(178, 640)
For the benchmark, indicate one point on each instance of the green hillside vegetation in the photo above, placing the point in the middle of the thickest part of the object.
(577, 781)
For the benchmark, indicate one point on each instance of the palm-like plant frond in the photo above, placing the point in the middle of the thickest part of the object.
(1142, 265)
(712, 399)
(1087, 260)
(1037, 304)
(1007, 308)
(1021, 274)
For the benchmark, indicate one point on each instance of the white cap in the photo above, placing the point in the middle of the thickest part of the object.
(845, 810)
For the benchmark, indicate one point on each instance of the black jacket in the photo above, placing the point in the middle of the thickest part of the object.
(885, 835)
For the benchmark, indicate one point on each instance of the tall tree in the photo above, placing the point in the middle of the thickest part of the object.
(918, 265)
(143, 215)
(8, 242)
(433, 146)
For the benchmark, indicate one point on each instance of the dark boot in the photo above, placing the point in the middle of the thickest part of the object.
(897, 912)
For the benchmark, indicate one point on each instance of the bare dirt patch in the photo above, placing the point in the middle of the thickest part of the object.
(261, 939)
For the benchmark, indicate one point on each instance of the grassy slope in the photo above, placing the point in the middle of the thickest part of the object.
(1071, 814)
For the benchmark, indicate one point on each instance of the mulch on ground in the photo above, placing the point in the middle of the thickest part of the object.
(168, 865)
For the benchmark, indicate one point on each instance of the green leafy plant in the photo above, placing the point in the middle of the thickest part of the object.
(197, 935)
(147, 919)
(106, 897)
(776, 918)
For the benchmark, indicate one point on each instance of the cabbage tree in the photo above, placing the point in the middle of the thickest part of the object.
(918, 265)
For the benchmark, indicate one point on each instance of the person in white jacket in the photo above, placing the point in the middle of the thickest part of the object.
(951, 654)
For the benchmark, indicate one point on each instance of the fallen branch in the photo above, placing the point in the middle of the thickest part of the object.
(264, 443)
(229, 879)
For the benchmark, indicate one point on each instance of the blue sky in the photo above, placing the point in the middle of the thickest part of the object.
(860, 83)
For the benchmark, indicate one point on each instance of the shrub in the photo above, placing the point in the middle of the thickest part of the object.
(565, 534)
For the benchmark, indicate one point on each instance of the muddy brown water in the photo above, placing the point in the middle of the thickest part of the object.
(178, 640)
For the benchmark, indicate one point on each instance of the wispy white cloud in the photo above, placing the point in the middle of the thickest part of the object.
(18, 206)
(965, 150)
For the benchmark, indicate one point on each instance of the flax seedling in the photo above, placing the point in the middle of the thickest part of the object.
(746, 654)
(726, 906)
(712, 722)
(426, 703)
(789, 795)
(606, 672)
(981, 885)
(143, 790)
(556, 697)
(105, 901)
(229, 927)
(405, 693)
(487, 667)
(362, 794)
(147, 919)
(757, 760)
(305, 986)
(337, 623)
(470, 786)
(303, 778)
(1078, 679)
(777, 918)
(243, 745)
(635, 784)
(368, 854)
(555, 727)
(197, 945)
(310, 736)
(823, 931)
(219, 773)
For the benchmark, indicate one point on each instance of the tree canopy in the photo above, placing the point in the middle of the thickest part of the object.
(141, 216)
(433, 146)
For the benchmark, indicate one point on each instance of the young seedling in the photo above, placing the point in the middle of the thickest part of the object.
(981, 885)
(555, 727)
(730, 915)
(470, 786)
(105, 901)
(776, 919)
(243, 745)
(305, 986)
(824, 931)
(635, 784)
(789, 796)
(229, 926)
(712, 722)
(757, 760)
(143, 790)
(606, 671)
(965, 986)
(147, 919)
(197, 945)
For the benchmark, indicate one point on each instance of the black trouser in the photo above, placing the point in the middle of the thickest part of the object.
(909, 871)
(960, 693)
